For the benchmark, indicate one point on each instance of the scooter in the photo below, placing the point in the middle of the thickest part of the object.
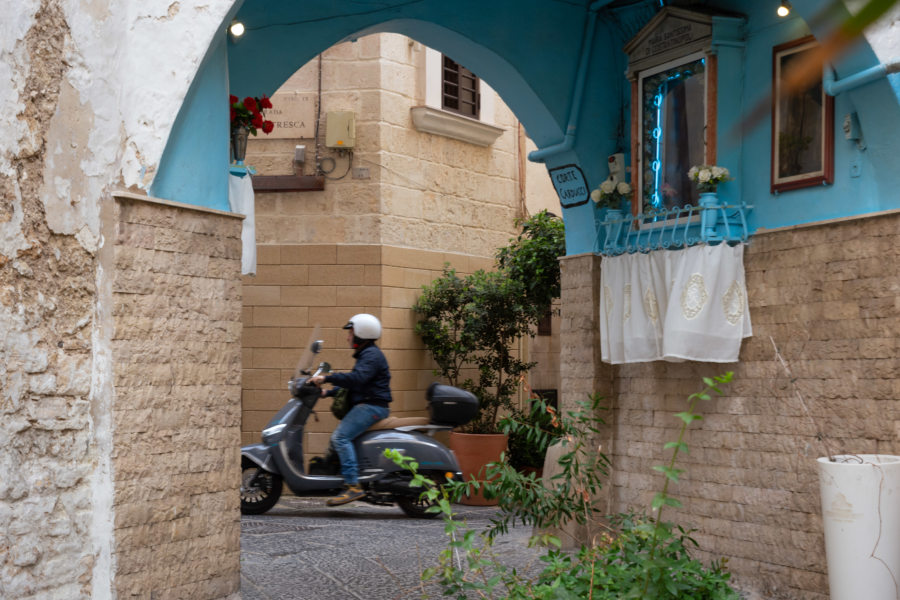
(278, 458)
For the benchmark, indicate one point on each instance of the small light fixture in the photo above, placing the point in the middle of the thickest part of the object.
(236, 28)
(784, 9)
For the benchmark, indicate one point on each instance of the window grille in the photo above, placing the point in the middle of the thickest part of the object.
(460, 89)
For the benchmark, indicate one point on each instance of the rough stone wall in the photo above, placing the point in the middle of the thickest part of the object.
(297, 287)
(580, 367)
(65, 141)
(828, 297)
(176, 412)
(46, 315)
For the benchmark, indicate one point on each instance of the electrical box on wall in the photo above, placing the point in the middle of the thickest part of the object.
(340, 129)
(616, 163)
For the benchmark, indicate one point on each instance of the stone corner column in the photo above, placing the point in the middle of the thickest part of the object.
(581, 371)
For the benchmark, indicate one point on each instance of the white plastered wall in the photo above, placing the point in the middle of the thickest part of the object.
(91, 91)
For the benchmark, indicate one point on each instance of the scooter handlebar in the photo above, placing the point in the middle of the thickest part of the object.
(324, 368)
(301, 386)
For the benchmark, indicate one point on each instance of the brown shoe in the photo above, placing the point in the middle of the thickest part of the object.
(353, 492)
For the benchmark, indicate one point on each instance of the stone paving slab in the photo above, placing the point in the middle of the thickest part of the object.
(303, 550)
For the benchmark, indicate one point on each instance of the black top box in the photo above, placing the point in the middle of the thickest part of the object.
(448, 405)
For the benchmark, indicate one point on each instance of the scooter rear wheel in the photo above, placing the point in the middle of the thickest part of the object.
(414, 505)
(416, 508)
(260, 490)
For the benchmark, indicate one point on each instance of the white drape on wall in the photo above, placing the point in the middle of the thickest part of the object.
(674, 305)
(242, 201)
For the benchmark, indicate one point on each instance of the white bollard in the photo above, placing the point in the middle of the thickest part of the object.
(861, 514)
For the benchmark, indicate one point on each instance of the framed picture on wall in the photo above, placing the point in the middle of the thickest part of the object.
(802, 122)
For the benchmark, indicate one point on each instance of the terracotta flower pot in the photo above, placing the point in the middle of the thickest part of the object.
(474, 451)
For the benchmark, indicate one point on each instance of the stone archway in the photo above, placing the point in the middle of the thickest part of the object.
(369, 243)
(63, 156)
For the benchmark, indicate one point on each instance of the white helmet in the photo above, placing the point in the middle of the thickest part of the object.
(364, 326)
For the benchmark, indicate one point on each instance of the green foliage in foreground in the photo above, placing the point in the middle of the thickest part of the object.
(638, 556)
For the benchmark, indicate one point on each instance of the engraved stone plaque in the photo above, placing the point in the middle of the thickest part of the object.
(294, 115)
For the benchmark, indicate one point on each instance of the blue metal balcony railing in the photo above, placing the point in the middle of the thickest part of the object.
(673, 228)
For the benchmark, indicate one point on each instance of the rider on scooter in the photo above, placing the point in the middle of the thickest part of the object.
(370, 395)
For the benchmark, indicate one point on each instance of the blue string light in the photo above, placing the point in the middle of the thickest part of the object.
(657, 132)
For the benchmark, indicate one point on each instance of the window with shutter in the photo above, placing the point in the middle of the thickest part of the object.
(459, 93)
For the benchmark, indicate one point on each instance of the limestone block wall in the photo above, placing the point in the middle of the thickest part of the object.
(828, 297)
(544, 350)
(176, 411)
(298, 287)
(421, 190)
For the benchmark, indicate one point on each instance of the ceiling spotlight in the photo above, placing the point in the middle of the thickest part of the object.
(236, 28)
(784, 9)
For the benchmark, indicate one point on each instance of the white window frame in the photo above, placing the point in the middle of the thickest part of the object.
(431, 118)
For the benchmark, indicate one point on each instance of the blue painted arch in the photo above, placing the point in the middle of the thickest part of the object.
(529, 51)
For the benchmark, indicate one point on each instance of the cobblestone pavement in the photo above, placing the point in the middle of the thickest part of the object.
(303, 550)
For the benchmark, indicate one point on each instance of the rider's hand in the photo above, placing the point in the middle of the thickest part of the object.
(317, 380)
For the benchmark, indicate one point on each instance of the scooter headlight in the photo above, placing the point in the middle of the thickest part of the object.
(272, 434)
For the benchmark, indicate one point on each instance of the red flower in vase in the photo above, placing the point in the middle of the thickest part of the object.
(249, 113)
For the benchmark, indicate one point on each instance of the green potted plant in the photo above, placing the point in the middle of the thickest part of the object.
(611, 195)
(473, 322)
(531, 431)
(708, 178)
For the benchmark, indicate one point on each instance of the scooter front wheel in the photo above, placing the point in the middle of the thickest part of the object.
(260, 490)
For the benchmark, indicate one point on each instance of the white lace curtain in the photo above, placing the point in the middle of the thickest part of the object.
(674, 305)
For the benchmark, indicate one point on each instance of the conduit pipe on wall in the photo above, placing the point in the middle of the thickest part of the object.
(587, 46)
(833, 87)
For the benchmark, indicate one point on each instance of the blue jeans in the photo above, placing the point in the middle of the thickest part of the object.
(360, 418)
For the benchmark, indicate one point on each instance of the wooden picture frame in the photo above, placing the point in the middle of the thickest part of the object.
(802, 124)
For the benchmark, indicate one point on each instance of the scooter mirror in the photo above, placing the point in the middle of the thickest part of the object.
(316, 346)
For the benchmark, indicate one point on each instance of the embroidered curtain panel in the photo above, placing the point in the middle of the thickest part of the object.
(674, 305)
(241, 201)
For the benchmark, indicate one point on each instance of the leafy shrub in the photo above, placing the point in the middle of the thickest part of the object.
(530, 432)
(638, 556)
(474, 321)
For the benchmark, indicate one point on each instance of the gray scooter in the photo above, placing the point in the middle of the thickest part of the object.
(278, 458)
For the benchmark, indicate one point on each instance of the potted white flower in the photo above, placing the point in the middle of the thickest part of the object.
(708, 178)
(610, 195)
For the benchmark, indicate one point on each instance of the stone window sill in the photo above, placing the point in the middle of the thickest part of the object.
(439, 122)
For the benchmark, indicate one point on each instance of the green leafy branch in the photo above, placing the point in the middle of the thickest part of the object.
(637, 557)
(662, 498)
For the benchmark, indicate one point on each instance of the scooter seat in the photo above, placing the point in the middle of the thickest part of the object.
(395, 422)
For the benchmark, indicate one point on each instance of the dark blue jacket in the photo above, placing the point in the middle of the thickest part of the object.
(370, 380)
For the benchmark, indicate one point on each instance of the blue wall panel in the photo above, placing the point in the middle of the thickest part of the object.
(194, 166)
(529, 51)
